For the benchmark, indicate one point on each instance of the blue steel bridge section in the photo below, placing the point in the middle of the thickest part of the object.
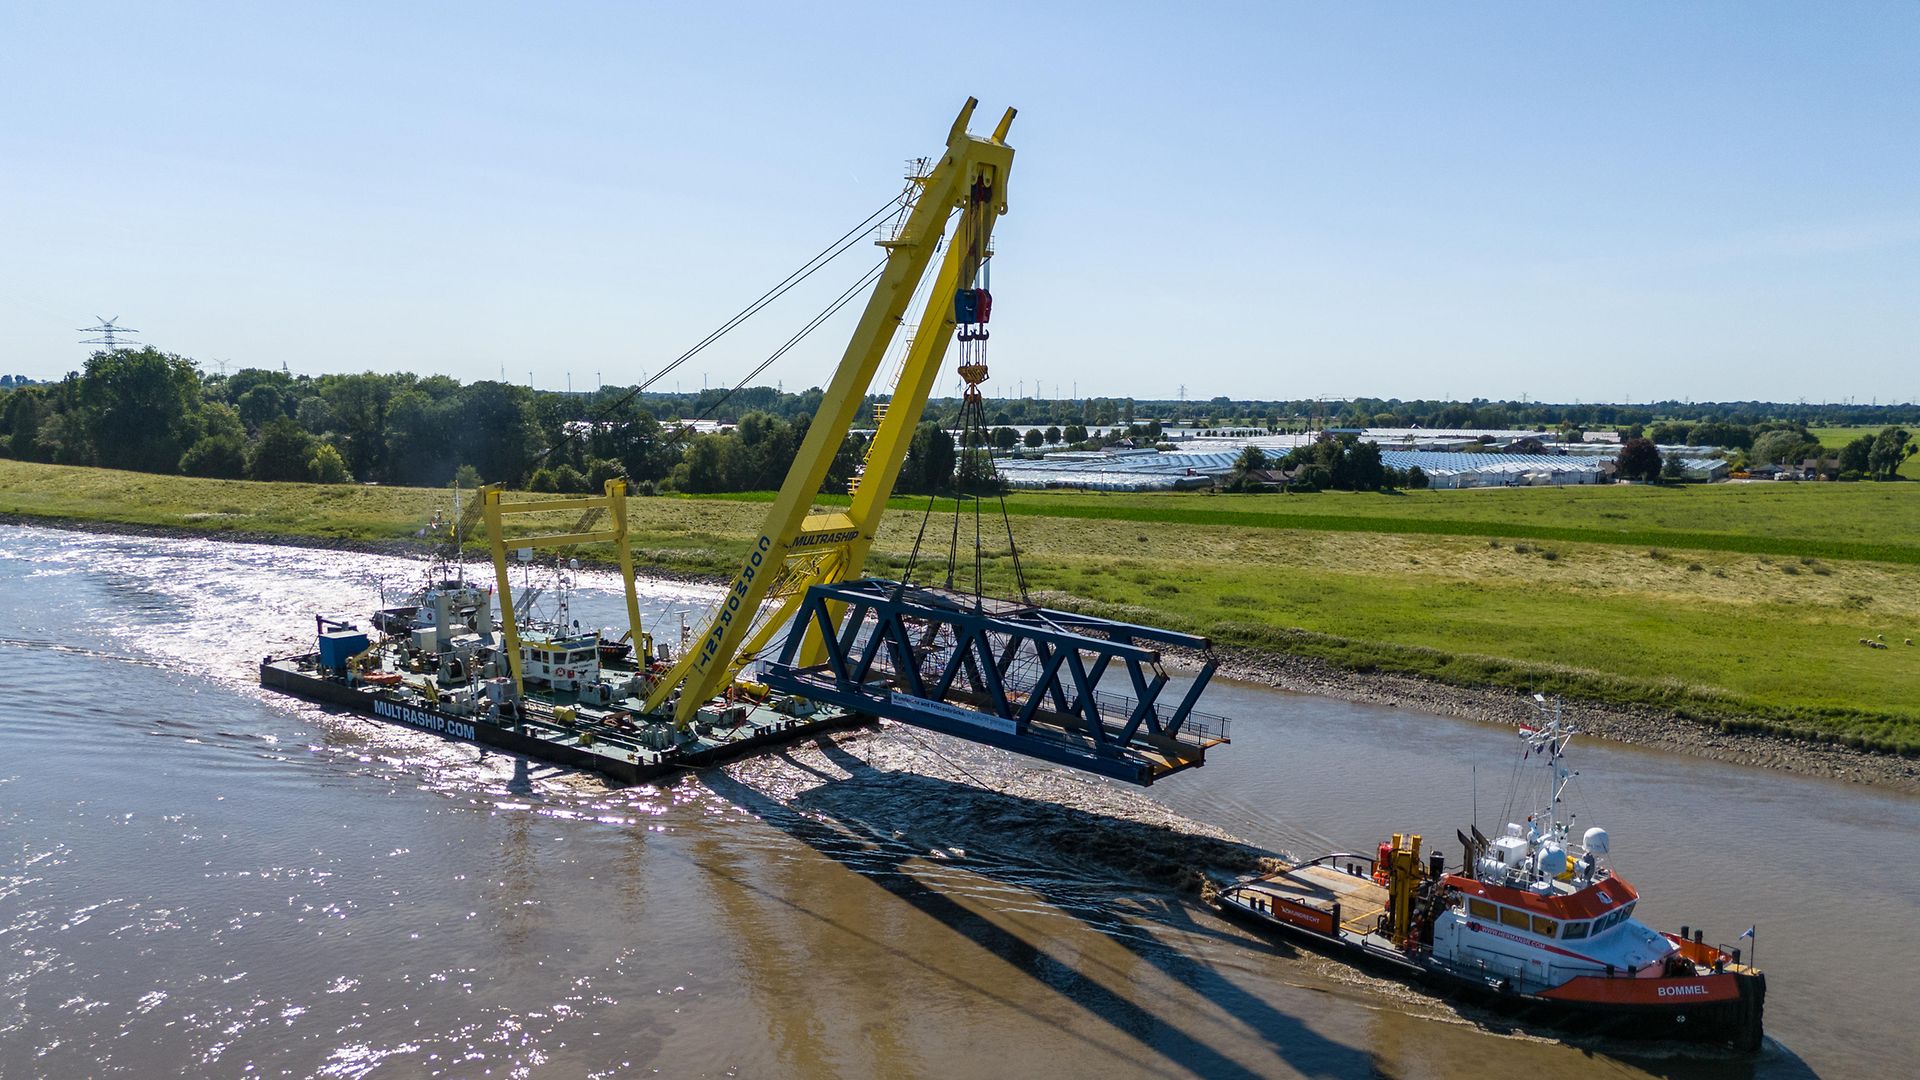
(1019, 677)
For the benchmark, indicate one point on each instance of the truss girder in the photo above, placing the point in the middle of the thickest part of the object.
(1022, 678)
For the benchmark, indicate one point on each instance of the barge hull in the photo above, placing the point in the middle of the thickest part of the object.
(543, 741)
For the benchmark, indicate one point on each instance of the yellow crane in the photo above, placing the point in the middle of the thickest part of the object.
(798, 547)
(1008, 674)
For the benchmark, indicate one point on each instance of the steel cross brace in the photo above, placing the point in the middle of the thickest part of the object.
(1021, 677)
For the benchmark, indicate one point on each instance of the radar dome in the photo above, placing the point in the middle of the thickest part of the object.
(1553, 860)
(1595, 841)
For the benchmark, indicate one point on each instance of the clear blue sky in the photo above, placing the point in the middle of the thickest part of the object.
(1618, 201)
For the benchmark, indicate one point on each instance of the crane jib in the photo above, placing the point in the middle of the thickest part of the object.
(741, 585)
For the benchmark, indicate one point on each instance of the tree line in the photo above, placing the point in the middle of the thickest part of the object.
(152, 411)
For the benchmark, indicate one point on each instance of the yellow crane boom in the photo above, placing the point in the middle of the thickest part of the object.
(797, 547)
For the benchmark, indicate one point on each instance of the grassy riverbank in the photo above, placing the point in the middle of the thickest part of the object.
(1739, 605)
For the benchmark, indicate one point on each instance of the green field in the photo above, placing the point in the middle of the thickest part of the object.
(1840, 521)
(1742, 605)
(1836, 437)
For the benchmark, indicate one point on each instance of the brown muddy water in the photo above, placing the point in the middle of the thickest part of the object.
(199, 878)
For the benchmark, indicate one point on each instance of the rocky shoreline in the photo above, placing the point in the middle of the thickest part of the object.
(1638, 726)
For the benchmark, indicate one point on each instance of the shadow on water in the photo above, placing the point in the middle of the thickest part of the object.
(1051, 849)
(876, 854)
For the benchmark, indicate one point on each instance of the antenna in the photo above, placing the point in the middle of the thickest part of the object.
(109, 333)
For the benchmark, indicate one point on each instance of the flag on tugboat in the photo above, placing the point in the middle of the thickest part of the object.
(1748, 932)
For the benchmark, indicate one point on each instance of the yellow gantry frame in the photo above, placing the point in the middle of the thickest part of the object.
(802, 548)
(614, 502)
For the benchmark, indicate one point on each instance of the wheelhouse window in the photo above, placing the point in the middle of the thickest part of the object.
(1612, 919)
(1482, 908)
(1544, 926)
(1513, 917)
(1576, 930)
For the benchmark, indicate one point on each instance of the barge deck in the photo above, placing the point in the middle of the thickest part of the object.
(599, 740)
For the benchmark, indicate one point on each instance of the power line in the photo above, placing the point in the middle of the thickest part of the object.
(109, 333)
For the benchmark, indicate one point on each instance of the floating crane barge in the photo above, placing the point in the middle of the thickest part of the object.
(606, 740)
(1009, 674)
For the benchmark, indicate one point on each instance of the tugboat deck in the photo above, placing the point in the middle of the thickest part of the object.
(1357, 898)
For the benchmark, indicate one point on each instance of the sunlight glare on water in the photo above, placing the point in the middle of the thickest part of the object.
(200, 877)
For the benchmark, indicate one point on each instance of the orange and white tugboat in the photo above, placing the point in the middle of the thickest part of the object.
(1534, 923)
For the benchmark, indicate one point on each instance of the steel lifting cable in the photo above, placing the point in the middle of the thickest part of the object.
(840, 246)
(813, 324)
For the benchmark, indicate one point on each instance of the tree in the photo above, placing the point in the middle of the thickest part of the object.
(282, 452)
(1033, 438)
(326, 466)
(1639, 460)
(599, 471)
(491, 430)
(930, 461)
(847, 462)
(260, 406)
(974, 473)
(1364, 469)
(1005, 438)
(220, 456)
(466, 476)
(1856, 457)
(1670, 432)
(23, 422)
(1673, 468)
(1075, 433)
(315, 415)
(220, 418)
(1785, 446)
(1417, 478)
(359, 406)
(1721, 433)
(1890, 448)
(139, 408)
(1252, 459)
(1053, 436)
(416, 437)
(706, 467)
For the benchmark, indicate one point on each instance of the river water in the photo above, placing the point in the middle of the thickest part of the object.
(198, 877)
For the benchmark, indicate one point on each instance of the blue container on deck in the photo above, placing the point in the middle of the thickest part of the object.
(336, 646)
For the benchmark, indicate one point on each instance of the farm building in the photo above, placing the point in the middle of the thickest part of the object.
(1446, 470)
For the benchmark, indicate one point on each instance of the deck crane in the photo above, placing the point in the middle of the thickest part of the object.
(1005, 673)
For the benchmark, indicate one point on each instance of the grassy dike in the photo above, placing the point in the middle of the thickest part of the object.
(1740, 606)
